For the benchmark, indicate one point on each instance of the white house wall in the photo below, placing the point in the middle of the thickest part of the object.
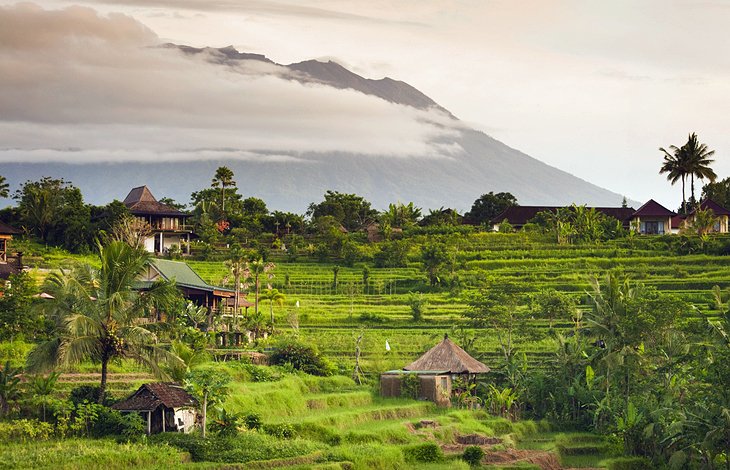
(185, 419)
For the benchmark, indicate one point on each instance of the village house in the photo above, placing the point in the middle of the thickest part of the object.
(436, 371)
(721, 213)
(165, 407)
(652, 219)
(166, 224)
(218, 300)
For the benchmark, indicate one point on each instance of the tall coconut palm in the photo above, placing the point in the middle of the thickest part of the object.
(223, 178)
(698, 160)
(236, 264)
(95, 311)
(675, 166)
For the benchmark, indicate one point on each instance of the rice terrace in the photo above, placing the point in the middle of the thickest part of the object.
(312, 234)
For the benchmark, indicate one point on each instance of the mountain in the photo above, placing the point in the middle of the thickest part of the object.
(456, 181)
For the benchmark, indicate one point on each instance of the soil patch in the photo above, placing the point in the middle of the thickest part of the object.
(544, 460)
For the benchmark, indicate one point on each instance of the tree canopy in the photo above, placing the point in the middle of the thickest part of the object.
(488, 206)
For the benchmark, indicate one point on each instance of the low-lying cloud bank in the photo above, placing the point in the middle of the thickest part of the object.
(78, 87)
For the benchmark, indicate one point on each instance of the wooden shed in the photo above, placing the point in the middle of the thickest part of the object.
(433, 386)
(165, 407)
(435, 370)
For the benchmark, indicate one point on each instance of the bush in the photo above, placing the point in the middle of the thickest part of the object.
(25, 430)
(252, 421)
(302, 356)
(428, 452)
(113, 423)
(410, 386)
(239, 449)
(473, 455)
(90, 393)
(280, 431)
(629, 463)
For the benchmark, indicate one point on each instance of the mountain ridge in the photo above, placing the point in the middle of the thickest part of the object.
(450, 180)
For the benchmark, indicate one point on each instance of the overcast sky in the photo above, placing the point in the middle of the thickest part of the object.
(592, 87)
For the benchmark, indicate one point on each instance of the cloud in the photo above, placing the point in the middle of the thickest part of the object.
(102, 86)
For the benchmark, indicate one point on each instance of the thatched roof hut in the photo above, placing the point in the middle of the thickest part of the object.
(447, 356)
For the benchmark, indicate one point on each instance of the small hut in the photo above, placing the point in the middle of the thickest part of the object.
(165, 407)
(435, 371)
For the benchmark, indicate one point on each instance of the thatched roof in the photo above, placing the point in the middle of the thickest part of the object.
(140, 201)
(447, 356)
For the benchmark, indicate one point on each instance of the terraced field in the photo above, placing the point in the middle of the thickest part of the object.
(331, 316)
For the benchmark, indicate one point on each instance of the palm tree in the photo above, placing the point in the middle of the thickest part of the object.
(273, 295)
(96, 311)
(4, 188)
(9, 387)
(236, 264)
(223, 178)
(675, 166)
(42, 389)
(255, 270)
(698, 162)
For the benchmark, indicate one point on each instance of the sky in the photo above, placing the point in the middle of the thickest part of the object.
(592, 87)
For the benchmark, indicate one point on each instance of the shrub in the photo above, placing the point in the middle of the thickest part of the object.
(410, 386)
(89, 393)
(427, 452)
(302, 356)
(252, 421)
(113, 423)
(24, 430)
(280, 430)
(225, 423)
(629, 463)
(473, 455)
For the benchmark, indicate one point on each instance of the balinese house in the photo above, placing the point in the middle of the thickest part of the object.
(218, 300)
(166, 224)
(653, 219)
(436, 370)
(9, 263)
(164, 407)
(721, 213)
(518, 216)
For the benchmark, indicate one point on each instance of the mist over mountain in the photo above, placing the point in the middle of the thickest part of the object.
(467, 162)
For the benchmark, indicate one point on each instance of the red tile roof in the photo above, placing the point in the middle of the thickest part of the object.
(653, 209)
(716, 208)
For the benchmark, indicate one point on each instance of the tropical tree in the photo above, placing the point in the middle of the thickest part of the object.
(95, 311)
(702, 222)
(42, 389)
(698, 159)
(9, 387)
(488, 206)
(4, 188)
(210, 387)
(255, 270)
(675, 166)
(273, 296)
(223, 178)
(401, 215)
(236, 264)
(190, 358)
